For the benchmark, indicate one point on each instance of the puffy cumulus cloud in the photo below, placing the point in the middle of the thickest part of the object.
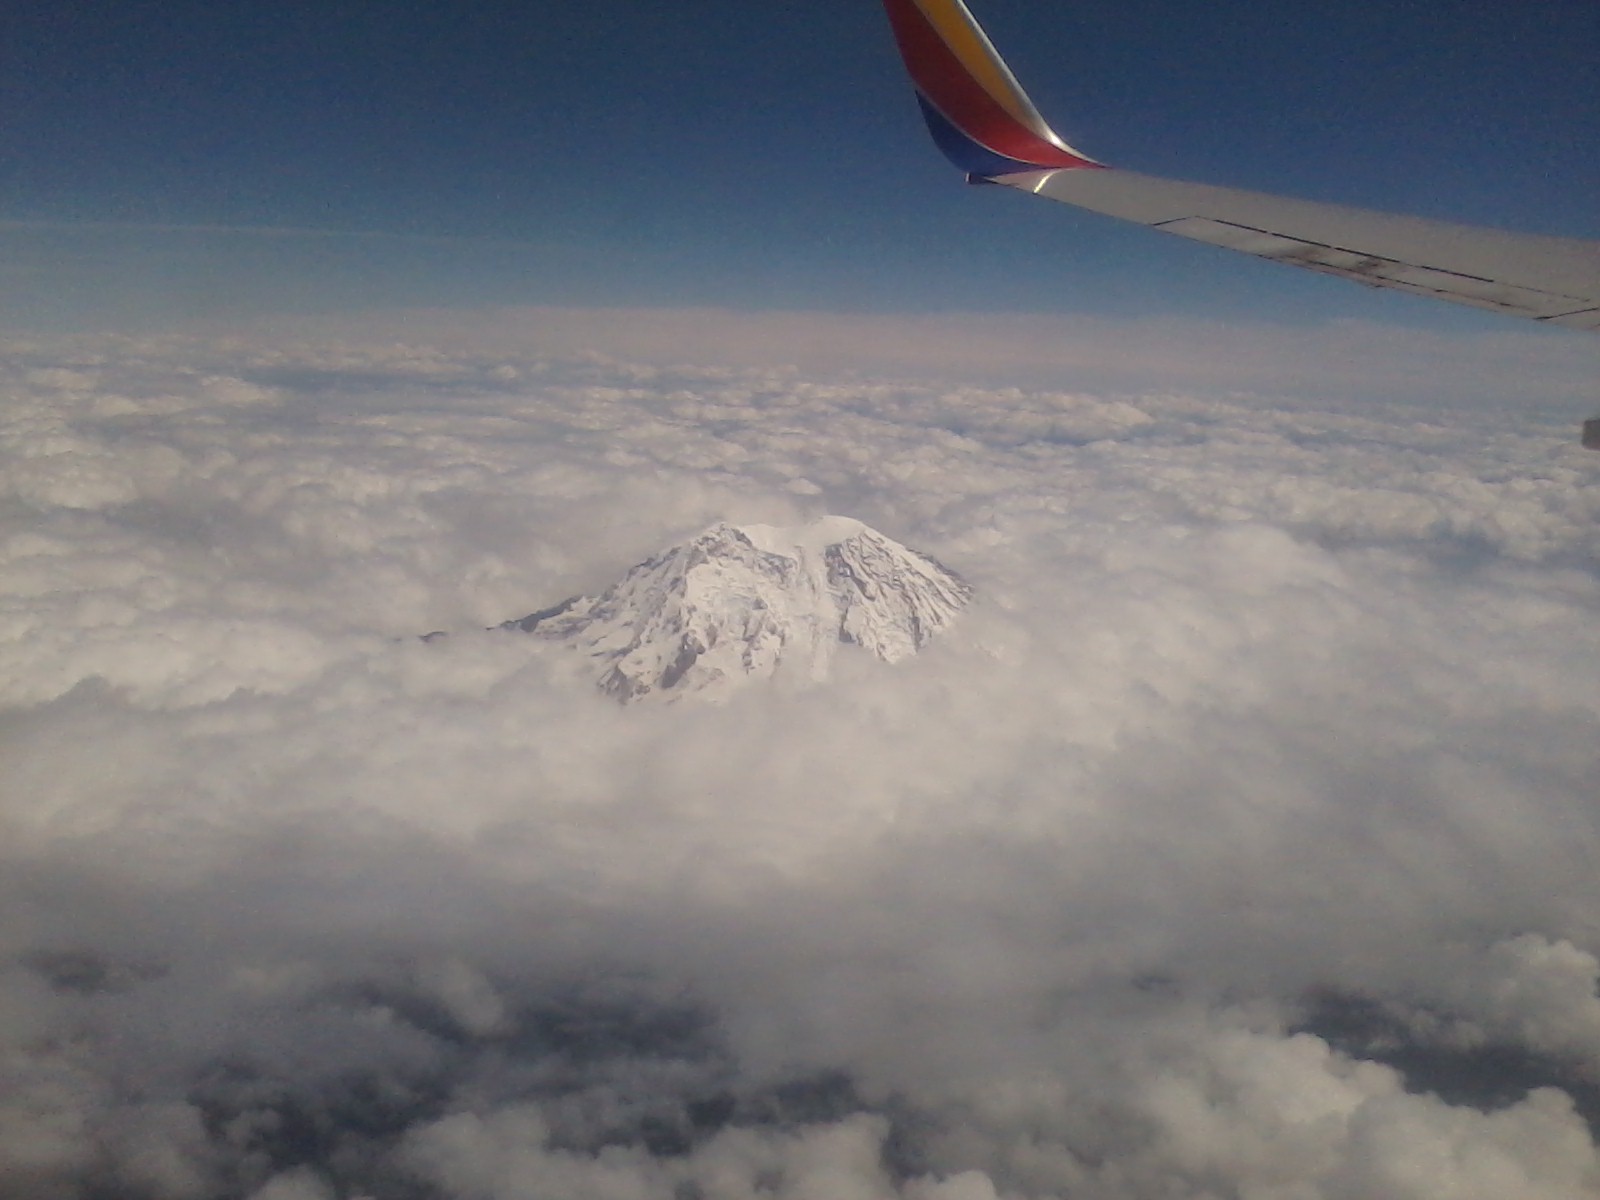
(1238, 841)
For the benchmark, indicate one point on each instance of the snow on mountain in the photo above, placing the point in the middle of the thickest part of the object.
(743, 601)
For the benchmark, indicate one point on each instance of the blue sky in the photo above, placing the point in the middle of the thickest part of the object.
(744, 156)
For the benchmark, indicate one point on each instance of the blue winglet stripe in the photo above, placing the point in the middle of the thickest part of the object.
(972, 157)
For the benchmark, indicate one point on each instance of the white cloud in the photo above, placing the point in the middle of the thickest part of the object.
(299, 1184)
(1239, 828)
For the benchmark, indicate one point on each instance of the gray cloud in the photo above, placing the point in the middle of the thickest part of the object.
(1241, 828)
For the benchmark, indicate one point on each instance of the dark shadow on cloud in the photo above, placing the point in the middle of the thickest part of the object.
(1488, 1075)
(86, 973)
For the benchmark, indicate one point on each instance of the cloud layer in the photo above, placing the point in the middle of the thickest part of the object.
(1239, 841)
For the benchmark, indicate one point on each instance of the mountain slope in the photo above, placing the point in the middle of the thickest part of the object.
(740, 602)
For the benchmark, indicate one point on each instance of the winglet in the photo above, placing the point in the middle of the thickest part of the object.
(977, 112)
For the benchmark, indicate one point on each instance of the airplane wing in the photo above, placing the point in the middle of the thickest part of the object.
(984, 122)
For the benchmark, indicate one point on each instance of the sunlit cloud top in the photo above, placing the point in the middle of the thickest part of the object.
(1239, 838)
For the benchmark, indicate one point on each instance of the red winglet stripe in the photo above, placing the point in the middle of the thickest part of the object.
(945, 82)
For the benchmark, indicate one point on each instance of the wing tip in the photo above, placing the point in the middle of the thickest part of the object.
(974, 108)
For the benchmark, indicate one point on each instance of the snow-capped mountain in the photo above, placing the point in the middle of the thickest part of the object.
(743, 601)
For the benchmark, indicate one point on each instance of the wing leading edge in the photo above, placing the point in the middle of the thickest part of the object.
(983, 121)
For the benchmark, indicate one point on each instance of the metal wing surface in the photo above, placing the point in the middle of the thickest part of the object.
(983, 121)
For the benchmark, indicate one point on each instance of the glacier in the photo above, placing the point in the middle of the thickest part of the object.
(743, 602)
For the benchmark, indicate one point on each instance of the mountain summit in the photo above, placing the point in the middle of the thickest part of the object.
(743, 601)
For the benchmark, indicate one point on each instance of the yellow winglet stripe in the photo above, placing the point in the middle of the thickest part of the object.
(954, 24)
